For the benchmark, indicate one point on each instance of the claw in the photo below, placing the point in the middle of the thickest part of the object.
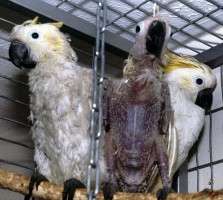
(109, 190)
(35, 179)
(162, 193)
(69, 188)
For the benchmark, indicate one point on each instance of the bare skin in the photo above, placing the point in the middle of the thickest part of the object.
(136, 118)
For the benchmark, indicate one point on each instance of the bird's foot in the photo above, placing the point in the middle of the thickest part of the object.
(162, 193)
(69, 188)
(109, 190)
(35, 179)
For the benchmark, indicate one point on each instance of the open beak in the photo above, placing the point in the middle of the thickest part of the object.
(156, 37)
(19, 55)
(205, 99)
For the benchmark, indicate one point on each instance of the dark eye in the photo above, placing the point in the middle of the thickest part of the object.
(35, 35)
(199, 81)
(137, 28)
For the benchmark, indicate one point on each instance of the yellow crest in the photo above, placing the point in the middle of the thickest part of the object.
(31, 22)
(57, 24)
(34, 21)
(174, 62)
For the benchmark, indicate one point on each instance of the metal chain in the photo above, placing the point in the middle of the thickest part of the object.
(96, 128)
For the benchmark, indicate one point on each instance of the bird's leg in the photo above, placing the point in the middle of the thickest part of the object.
(162, 158)
(70, 187)
(162, 193)
(37, 178)
(109, 189)
(167, 112)
(106, 100)
(111, 186)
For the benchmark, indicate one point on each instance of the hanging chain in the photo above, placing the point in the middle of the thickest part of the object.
(96, 128)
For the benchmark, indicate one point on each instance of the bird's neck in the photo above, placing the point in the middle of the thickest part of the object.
(146, 63)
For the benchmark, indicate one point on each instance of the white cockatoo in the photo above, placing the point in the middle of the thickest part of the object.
(191, 85)
(60, 102)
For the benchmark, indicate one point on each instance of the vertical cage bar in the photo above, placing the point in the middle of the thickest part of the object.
(221, 68)
(96, 128)
(182, 183)
(197, 164)
(210, 149)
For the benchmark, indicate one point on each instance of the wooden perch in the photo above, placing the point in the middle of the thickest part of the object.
(19, 183)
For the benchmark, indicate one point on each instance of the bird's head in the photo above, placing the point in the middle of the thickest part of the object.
(196, 79)
(32, 43)
(152, 35)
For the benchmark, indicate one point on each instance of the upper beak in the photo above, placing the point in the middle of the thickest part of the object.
(19, 55)
(156, 37)
(205, 99)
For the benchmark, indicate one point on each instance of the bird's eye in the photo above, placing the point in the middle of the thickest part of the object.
(140, 28)
(199, 81)
(35, 35)
(137, 28)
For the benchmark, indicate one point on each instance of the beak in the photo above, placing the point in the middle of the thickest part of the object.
(156, 37)
(19, 55)
(204, 99)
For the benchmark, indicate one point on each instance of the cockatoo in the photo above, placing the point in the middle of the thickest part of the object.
(60, 103)
(136, 116)
(191, 85)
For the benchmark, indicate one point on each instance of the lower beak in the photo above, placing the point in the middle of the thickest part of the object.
(19, 55)
(205, 99)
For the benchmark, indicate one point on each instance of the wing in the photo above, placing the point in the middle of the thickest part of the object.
(166, 108)
(106, 102)
(167, 121)
(155, 182)
(172, 147)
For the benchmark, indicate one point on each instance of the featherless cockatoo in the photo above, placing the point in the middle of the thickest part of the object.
(136, 115)
(191, 85)
(60, 103)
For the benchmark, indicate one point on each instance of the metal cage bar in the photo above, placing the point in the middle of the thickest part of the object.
(16, 164)
(210, 149)
(17, 143)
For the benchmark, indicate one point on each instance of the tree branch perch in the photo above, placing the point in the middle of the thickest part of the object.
(18, 183)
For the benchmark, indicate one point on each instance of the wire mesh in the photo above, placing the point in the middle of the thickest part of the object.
(189, 13)
(16, 146)
(5, 118)
(9, 101)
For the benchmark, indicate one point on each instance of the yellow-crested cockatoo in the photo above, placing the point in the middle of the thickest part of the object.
(60, 103)
(136, 116)
(191, 84)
